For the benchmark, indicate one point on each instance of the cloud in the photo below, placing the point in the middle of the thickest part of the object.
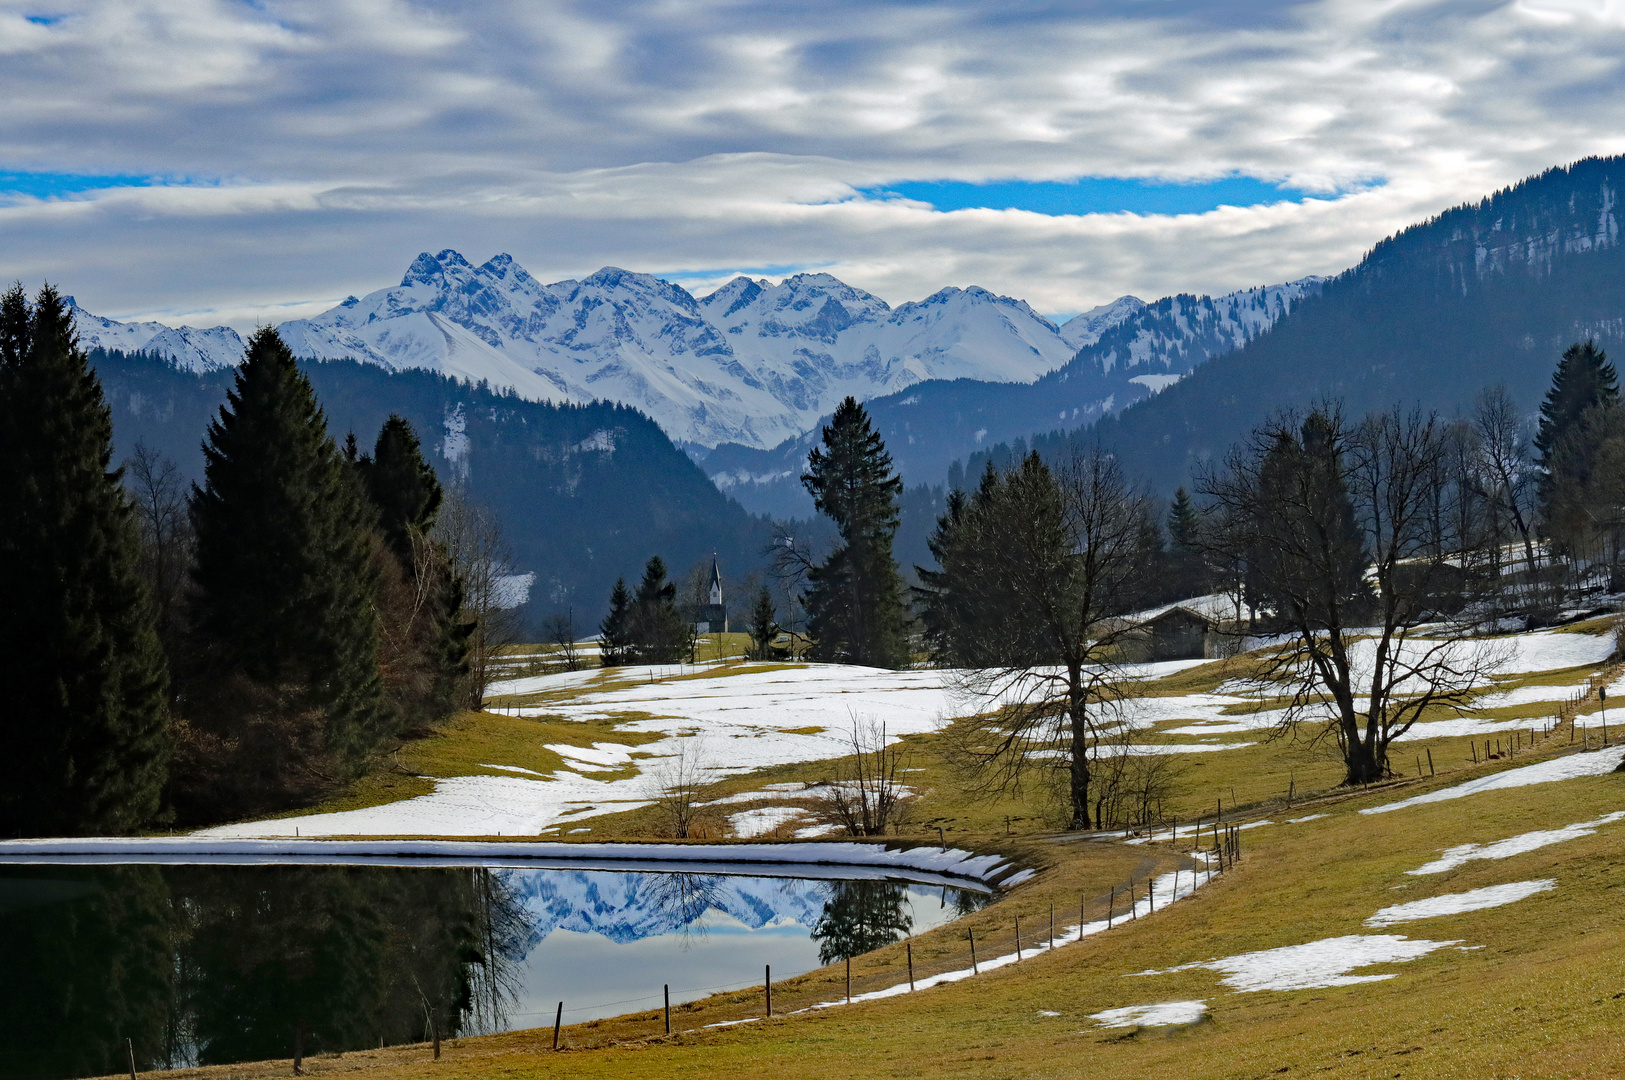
(335, 139)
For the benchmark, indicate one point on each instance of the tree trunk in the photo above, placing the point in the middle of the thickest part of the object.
(1364, 766)
(1080, 750)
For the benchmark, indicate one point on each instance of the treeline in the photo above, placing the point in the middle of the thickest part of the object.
(1399, 533)
(190, 656)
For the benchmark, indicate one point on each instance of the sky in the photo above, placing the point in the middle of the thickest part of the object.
(217, 161)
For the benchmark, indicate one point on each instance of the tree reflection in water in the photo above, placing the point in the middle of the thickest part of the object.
(861, 916)
(205, 965)
(684, 899)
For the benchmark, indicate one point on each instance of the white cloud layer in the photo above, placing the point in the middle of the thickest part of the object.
(329, 141)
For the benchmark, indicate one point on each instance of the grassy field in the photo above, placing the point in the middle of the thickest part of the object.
(1534, 988)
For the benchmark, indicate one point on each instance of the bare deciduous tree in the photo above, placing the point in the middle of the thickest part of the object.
(159, 491)
(560, 631)
(677, 782)
(1039, 569)
(867, 793)
(1336, 526)
(473, 541)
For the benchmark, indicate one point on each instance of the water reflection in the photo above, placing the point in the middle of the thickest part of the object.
(212, 965)
(860, 917)
(200, 965)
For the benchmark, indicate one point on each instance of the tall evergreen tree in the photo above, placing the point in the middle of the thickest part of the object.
(614, 633)
(1574, 421)
(426, 642)
(85, 722)
(657, 632)
(1186, 571)
(763, 624)
(855, 599)
(283, 581)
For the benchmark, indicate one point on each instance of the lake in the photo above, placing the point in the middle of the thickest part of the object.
(211, 964)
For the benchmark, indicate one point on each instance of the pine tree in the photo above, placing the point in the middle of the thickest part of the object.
(657, 632)
(1187, 574)
(614, 633)
(855, 599)
(85, 727)
(426, 643)
(1574, 423)
(284, 583)
(402, 486)
(763, 627)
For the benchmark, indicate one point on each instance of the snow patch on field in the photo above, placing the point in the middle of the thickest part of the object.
(1457, 903)
(1316, 964)
(760, 822)
(1162, 1014)
(1545, 772)
(1514, 845)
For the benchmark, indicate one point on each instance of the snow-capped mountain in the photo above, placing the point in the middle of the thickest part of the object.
(631, 906)
(1128, 350)
(751, 363)
(188, 347)
(1085, 329)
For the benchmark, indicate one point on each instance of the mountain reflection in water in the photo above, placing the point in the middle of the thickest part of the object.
(200, 965)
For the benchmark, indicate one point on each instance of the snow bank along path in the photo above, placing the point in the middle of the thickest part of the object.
(951, 866)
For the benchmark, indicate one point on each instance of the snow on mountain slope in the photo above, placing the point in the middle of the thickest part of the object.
(187, 346)
(1085, 329)
(752, 363)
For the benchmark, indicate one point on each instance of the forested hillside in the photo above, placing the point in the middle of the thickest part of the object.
(1486, 293)
(584, 493)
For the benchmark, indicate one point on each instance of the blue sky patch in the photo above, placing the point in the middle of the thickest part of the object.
(43, 185)
(1092, 194)
(772, 270)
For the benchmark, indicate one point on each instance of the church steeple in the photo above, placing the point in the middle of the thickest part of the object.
(716, 582)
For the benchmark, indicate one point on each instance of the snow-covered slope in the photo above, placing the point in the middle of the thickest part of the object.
(1085, 329)
(752, 363)
(187, 346)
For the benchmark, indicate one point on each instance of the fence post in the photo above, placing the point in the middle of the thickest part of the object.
(1018, 939)
(1052, 926)
(1151, 893)
(1111, 904)
(129, 1048)
(974, 970)
(558, 1018)
(910, 946)
(767, 981)
(1133, 908)
(942, 838)
(1430, 760)
(668, 1008)
(849, 980)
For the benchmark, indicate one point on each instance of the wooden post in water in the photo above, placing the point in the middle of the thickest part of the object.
(558, 1018)
(668, 1008)
(910, 946)
(973, 968)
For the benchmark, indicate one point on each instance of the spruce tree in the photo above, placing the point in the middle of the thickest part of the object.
(614, 633)
(284, 580)
(657, 633)
(420, 596)
(1574, 422)
(855, 599)
(86, 733)
(763, 625)
(1187, 574)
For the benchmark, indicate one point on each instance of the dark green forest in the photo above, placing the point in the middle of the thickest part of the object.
(584, 494)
